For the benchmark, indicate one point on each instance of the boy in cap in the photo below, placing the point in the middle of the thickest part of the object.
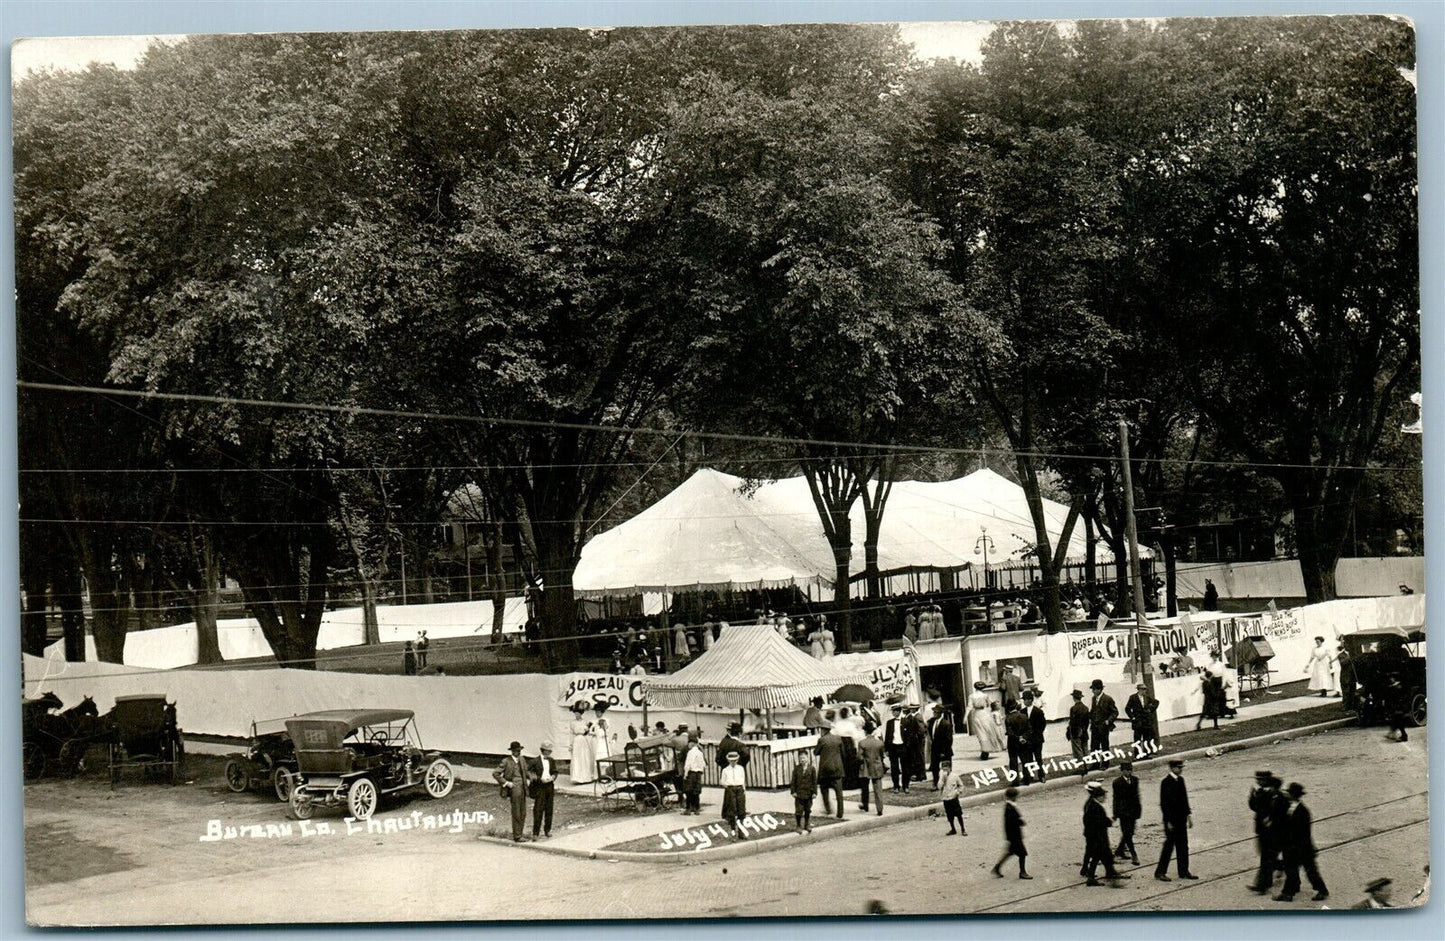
(1299, 849)
(803, 787)
(952, 793)
(693, 767)
(1013, 834)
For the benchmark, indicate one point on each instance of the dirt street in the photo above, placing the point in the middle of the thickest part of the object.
(136, 856)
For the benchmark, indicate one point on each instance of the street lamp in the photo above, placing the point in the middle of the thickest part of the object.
(983, 545)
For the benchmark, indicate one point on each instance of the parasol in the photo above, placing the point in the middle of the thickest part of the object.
(853, 692)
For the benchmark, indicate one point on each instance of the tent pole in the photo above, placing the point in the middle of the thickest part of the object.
(770, 722)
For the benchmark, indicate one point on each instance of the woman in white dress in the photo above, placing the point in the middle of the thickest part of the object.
(1318, 668)
(980, 723)
(601, 735)
(815, 643)
(583, 767)
(995, 712)
(827, 640)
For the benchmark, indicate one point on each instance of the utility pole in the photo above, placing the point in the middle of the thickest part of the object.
(1132, 528)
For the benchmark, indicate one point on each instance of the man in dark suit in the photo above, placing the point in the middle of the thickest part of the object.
(1096, 838)
(1269, 807)
(893, 747)
(1127, 810)
(732, 742)
(940, 733)
(1078, 730)
(1016, 728)
(830, 769)
(1298, 845)
(542, 772)
(1102, 715)
(914, 734)
(514, 778)
(1178, 818)
(1143, 711)
(1038, 723)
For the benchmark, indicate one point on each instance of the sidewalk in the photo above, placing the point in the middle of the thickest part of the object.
(595, 839)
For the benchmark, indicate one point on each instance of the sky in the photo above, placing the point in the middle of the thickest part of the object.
(961, 41)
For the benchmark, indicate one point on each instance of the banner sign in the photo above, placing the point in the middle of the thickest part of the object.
(622, 691)
(893, 680)
(1100, 647)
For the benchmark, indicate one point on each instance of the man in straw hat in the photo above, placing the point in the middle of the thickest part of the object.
(1298, 845)
(735, 793)
(543, 772)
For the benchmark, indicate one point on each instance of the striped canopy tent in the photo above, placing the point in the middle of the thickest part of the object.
(749, 668)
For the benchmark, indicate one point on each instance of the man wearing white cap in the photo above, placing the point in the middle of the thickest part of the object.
(543, 772)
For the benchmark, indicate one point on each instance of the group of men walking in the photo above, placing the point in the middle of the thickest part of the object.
(1282, 831)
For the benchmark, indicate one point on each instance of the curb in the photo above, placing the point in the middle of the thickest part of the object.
(769, 844)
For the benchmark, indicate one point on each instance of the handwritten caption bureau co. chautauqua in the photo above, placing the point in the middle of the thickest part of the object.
(700, 838)
(448, 823)
(1133, 752)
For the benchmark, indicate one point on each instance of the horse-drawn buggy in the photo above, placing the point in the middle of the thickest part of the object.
(268, 763)
(355, 756)
(644, 777)
(56, 739)
(144, 734)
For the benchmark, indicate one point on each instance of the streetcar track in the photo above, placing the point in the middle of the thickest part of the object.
(1219, 846)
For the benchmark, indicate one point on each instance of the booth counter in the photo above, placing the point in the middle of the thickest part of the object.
(770, 761)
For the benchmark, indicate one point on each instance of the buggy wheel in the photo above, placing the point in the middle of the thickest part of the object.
(236, 777)
(361, 799)
(647, 796)
(439, 779)
(116, 754)
(34, 761)
(301, 806)
(281, 781)
(1417, 708)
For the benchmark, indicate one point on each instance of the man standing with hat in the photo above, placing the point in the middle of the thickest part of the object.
(693, 767)
(1038, 724)
(1178, 819)
(940, 735)
(542, 771)
(1102, 714)
(732, 742)
(1096, 837)
(1143, 711)
(1011, 684)
(1377, 895)
(1269, 807)
(513, 777)
(735, 793)
(1128, 808)
(1078, 730)
(893, 746)
(1299, 849)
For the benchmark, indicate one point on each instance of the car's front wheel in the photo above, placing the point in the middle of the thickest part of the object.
(439, 779)
(236, 777)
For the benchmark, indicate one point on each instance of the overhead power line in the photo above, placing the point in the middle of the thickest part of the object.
(356, 410)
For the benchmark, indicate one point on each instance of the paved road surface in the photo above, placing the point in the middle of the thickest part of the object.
(1367, 795)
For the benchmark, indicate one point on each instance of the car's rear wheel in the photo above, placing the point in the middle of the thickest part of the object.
(281, 781)
(361, 799)
(439, 779)
(1417, 709)
(301, 807)
(236, 777)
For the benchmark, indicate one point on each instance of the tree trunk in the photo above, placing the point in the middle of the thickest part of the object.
(109, 605)
(34, 562)
(65, 577)
(1091, 539)
(205, 605)
(1048, 573)
(496, 582)
(557, 553)
(842, 587)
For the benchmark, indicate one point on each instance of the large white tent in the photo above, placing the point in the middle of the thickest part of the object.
(714, 533)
